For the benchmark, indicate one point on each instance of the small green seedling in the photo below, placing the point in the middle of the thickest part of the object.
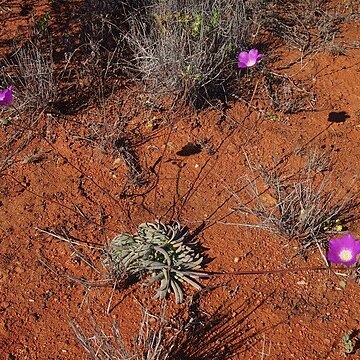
(42, 23)
(196, 25)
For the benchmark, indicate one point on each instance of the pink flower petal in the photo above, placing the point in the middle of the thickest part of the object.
(242, 65)
(243, 57)
(6, 97)
(254, 56)
(253, 53)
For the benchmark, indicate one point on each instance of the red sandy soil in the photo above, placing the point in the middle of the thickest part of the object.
(67, 183)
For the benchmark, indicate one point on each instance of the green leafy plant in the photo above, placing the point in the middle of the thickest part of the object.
(162, 250)
(42, 23)
(348, 345)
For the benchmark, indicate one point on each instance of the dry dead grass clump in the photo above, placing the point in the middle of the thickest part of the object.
(99, 56)
(151, 343)
(300, 204)
(287, 95)
(190, 334)
(187, 48)
(31, 70)
(307, 25)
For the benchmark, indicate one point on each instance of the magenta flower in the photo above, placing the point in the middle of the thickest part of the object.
(344, 250)
(6, 97)
(248, 59)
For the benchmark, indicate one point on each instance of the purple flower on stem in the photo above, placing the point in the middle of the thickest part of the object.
(6, 97)
(344, 250)
(249, 59)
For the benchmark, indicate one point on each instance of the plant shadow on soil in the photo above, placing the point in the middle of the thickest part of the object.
(223, 334)
(338, 117)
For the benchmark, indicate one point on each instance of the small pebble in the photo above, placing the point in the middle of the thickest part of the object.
(18, 270)
(117, 162)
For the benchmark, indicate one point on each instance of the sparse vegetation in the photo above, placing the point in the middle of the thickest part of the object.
(188, 48)
(118, 76)
(307, 26)
(162, 250)
(298, 205)
(150, 344)
(32, 70)
(286, 95)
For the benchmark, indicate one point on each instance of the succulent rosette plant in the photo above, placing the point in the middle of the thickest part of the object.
(163, 251)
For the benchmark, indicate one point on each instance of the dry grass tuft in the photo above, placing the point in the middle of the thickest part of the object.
(187, 48)
(302, 205)
(32, 71)
(151, 342)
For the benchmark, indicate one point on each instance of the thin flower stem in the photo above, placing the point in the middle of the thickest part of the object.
(269, 272)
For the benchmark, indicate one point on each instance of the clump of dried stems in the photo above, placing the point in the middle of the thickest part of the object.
(151, 343)
(303, 205)
(187, 48)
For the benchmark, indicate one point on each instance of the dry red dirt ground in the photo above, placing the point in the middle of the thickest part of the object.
(67, 183)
